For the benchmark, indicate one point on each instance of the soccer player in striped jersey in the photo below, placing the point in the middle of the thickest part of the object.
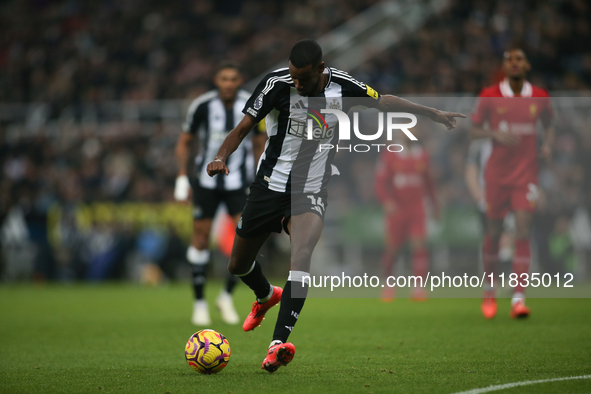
(289, 191)
(210, 117)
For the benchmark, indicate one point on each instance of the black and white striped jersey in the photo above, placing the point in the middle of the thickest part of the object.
(210, 121)
(292, 162)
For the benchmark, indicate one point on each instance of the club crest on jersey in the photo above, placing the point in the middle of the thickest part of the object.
(334, 104)
(258, 103)
(532, 110)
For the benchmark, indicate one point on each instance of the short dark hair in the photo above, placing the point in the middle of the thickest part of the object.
(226, 64)
(305, 52)
(514, 47)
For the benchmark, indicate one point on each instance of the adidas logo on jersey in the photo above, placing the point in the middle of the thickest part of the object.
(299, 105)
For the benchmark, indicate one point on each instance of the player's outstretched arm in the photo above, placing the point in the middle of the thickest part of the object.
(230, 144)
(389, 103)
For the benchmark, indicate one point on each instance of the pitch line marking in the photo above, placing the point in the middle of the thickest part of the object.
(517, 384)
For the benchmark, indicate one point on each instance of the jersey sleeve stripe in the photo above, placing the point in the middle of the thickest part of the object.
(274, 77)
(352, 80)
(272, 81)
(344, 75)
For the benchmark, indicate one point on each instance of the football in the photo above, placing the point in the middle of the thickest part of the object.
(207, 351)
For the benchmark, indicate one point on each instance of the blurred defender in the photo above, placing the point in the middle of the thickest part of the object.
(403, 180)
(210, 118)
(478, 154)
(508, 114)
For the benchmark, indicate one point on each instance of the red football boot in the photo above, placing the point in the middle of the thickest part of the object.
(256, 316)
(278, 355)
(489, 307)
(519, 310)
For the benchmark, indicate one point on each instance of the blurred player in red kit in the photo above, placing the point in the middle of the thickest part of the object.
(403, 181)
(508, 114)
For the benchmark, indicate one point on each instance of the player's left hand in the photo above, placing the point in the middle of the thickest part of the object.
(546, 152)
(217, 167)
(448, 119)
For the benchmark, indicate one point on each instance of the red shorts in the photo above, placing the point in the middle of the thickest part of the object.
(500, 199)
(405, 224)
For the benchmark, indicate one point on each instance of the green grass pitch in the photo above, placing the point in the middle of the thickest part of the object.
(119, 338)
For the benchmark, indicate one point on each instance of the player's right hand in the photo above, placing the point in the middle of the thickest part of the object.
(508, 139)
(448, 119)
(217, 167)
(182, 188)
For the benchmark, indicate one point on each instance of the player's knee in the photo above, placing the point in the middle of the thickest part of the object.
(232, 268)
(237, 267)
(522, 228)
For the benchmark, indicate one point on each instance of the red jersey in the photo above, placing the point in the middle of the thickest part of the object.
(519, 114)
(404, 178)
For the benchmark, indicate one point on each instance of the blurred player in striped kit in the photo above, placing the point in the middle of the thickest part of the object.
(210, 117)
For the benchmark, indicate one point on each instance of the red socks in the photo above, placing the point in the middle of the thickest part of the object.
(521, 261)
(490, 258)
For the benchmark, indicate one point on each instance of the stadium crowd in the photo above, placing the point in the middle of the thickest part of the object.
(458, 50)
(68, 53)
(72, 51)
